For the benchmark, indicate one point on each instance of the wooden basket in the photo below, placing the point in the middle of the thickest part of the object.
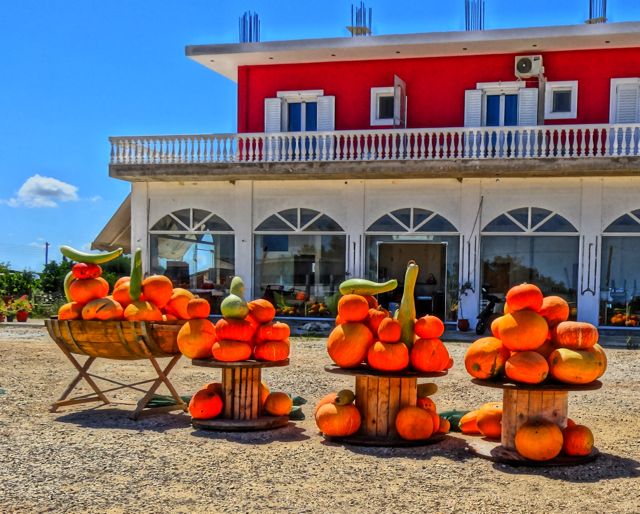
(116, 339)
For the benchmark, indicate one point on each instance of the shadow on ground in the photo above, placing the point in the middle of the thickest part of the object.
(114, 418)
(288, 434)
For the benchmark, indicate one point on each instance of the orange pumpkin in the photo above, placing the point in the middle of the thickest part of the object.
(389, 330)
(206, 403)
(505, 309)
(86, 270)
(103, 309)
(120, 281)
(445, 426)
(577, 440)
(577, 366)
(263, 393)
(348, 344)
(523, 330)
(429, 327)
(71, 310)
(539, 440)
(353, 307)
(426, 403)
(524, 296)
(486, 357)
(575, 335)
(527, 367)
(121, 294)
(546, 349)
(278, 404)
(230, 351)
(495, 327)
(178, 303)
(435, 419)
(338, 420)
(339, 320)
(142, 311)
(489, 420)
(602, 357)
(554, 309)
(414, 423)
(87, 289)
(157, 289)
(375, 317)
(196, 337)
(273, 331)
(262, 310)
(469, 423)
(198, 308)
(272, 351)
(234, 330)
(371, 300)
(429, 355)
(388, 356)
(327, 398)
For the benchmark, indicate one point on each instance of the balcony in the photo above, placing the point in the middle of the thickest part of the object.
(550, 150)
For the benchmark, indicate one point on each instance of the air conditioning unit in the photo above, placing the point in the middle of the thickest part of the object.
(528, 66)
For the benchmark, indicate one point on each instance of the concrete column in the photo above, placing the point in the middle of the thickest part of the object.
(470, 226)
(243, 230)
(140, 221)
(590, 251)
(354, 227)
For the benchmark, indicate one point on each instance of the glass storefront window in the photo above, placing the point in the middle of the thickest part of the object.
(550, 262)
(299, 263)
(187, 247)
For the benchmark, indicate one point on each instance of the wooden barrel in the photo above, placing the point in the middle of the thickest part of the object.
(118, 340)
(241, 389)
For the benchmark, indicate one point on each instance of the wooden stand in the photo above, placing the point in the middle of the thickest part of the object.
(379, 397)
(522, 403)
(119, 340)
(242, 410)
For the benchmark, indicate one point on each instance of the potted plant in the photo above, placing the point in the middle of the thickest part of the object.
(463, 323)
(22, 308)
(3, 310)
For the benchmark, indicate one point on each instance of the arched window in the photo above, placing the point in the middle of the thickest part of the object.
(300, 257)
(620, 273)
(411, 219)
(195, 248)
(530, 244)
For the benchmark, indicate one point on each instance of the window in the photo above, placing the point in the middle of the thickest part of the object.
(561, 100)
(625, 101)
(382, 105)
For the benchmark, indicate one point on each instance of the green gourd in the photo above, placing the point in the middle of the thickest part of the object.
(234, 306)
(345, 397)
(427, 389)
(67, 282)
(366, 287)
(135, 284)
(407, 311)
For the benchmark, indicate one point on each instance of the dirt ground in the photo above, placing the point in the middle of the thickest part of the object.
(87, 459)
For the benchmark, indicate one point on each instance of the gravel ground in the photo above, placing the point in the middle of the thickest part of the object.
(97, 460)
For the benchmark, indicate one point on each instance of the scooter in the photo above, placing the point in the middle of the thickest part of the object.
(487, 315)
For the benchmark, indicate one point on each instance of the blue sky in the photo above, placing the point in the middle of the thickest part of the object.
(77, 71)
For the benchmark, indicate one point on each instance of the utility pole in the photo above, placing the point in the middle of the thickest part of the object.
(46, 253)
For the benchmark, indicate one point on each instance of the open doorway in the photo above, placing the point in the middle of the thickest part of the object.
(432, 279)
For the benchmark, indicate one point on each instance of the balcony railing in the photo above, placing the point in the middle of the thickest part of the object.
(536, 142)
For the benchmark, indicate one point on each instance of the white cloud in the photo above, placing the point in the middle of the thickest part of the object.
(38, 243)
(38, 191)
(95, 199)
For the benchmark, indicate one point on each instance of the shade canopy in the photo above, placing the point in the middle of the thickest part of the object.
(117, 232)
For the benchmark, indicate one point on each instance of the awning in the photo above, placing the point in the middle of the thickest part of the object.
(117, 232)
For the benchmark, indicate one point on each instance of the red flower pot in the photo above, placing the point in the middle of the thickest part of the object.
(22, 316)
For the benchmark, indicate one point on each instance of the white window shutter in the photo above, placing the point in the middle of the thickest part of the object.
(473, 108)
(326, 113)
(399, 102)
(272, 115)
(627, 103)
(528, 106)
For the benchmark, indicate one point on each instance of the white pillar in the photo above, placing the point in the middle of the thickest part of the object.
(140, 221)
(354, 228)
(243, 232)
(470, 226)
(590, 251)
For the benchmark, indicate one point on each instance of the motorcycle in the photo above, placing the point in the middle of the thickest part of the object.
(487, 315)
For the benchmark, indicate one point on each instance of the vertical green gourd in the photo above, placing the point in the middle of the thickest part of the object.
(234, 306)
(135, 284)
(407, 310)
(67, 282)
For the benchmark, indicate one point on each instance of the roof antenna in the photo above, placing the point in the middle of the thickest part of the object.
(473, 15)
(361, 24)
(597, 11)
(249, 27)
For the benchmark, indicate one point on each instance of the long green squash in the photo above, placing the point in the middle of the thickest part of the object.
(407, 310)
(135, 284)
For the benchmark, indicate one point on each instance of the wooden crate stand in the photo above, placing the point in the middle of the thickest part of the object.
(118, 340)
(242, 409)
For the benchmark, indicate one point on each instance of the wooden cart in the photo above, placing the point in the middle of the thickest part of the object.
(379, 397)
(119, 340)
(522, 403)
(242, 409)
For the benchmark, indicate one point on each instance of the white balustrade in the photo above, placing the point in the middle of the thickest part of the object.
(538, 142)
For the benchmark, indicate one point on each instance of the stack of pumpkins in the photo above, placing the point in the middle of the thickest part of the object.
(533, 340)
(337, 416)
(208, 402)
(132, 298)
(246, 330)
(366, 332)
